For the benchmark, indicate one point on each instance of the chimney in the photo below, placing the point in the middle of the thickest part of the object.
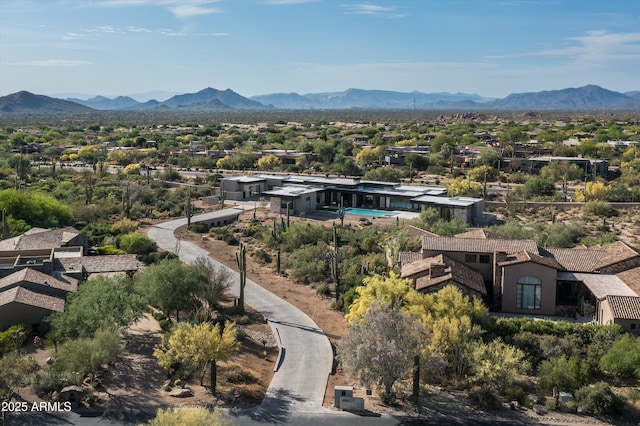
(499, 255)
(437, 270)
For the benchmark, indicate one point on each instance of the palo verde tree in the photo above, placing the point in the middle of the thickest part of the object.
(198, 347)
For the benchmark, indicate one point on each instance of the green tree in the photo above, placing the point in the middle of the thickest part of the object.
(172, 285)
(538, 187)
(101, 301)
(383, 174)
(417, 161)
(198, 347)
(623, 358)
(36, 209)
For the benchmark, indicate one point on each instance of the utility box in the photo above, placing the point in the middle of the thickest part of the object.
(341, 392)
(351, 404)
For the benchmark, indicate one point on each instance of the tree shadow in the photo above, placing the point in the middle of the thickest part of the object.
(275, 408)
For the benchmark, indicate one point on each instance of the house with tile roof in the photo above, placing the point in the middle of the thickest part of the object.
(600, 284)
(35, 281)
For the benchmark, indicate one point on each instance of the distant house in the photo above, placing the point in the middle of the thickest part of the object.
(600, 284)
(589, 165)
(309, 193)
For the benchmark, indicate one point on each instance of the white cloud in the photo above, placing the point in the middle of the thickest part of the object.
(595, 47)
(53, 63)
(371, 9)
(181, 9)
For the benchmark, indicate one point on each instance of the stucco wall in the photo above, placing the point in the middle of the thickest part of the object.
(17, 313)
(510, 276)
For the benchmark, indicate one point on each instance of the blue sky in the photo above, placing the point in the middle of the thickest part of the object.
(489, 47)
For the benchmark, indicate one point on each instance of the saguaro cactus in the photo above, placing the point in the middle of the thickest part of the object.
(241, 259)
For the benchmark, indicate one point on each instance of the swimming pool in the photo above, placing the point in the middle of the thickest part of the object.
(369, 212)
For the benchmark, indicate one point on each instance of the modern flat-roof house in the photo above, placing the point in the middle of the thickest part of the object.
(601, 283)
(589, 165)
(35, 282)
(309, 193)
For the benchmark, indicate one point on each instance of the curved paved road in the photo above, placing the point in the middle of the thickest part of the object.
(300, 382)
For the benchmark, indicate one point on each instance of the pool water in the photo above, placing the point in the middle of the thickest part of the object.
(369, 212)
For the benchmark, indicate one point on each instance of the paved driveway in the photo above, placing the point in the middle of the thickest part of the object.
(300, 382)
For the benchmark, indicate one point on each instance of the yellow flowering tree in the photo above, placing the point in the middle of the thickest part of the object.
(199, 346)
(593, 191)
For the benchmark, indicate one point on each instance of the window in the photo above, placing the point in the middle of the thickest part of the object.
(485, 258)
(633, 325)
(470, 258)
(528, 293)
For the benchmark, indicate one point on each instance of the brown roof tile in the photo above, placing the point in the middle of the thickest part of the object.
(477, 245)
(525, 256)
(615, 253)
(406, 257)
(28, 275)
(32, 298)
(576, 260)
(625, 307)
(481, 233)
(454, 271)
(110, 263)
(631, 278)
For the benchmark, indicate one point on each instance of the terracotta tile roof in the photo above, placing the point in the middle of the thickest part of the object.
(631, 278)
(27, 297)
(615, 253)
(110, 263)
(39, 279)
(624, 307)
(576, 260)
(453, 271)
(525, 256)
(481, 233)
(477, 245)
(406, 257)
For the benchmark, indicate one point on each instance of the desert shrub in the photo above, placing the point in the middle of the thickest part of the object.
(188, 416)
(136, 243)
(598, 399)
(262, 256)
(199, 227)
(8, 340)
(109, 249)
(623, 358)
(308, 264)
(50, 380)
(567, 374)
(236, 374)
(323, 290)
(599, 208)
(485, 397)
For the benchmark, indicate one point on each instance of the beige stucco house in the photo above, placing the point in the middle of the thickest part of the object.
(600, 283)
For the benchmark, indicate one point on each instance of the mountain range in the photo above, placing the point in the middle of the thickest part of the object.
(589, 97)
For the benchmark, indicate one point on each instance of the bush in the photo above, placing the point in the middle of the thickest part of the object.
(323, 290)
(136, 243)
(262, 256)
(8, 338)
(485, 397)
(235, 374)
(598, 399)
(623, 358)
(110, 250)
(51, 380)
(200, 228)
